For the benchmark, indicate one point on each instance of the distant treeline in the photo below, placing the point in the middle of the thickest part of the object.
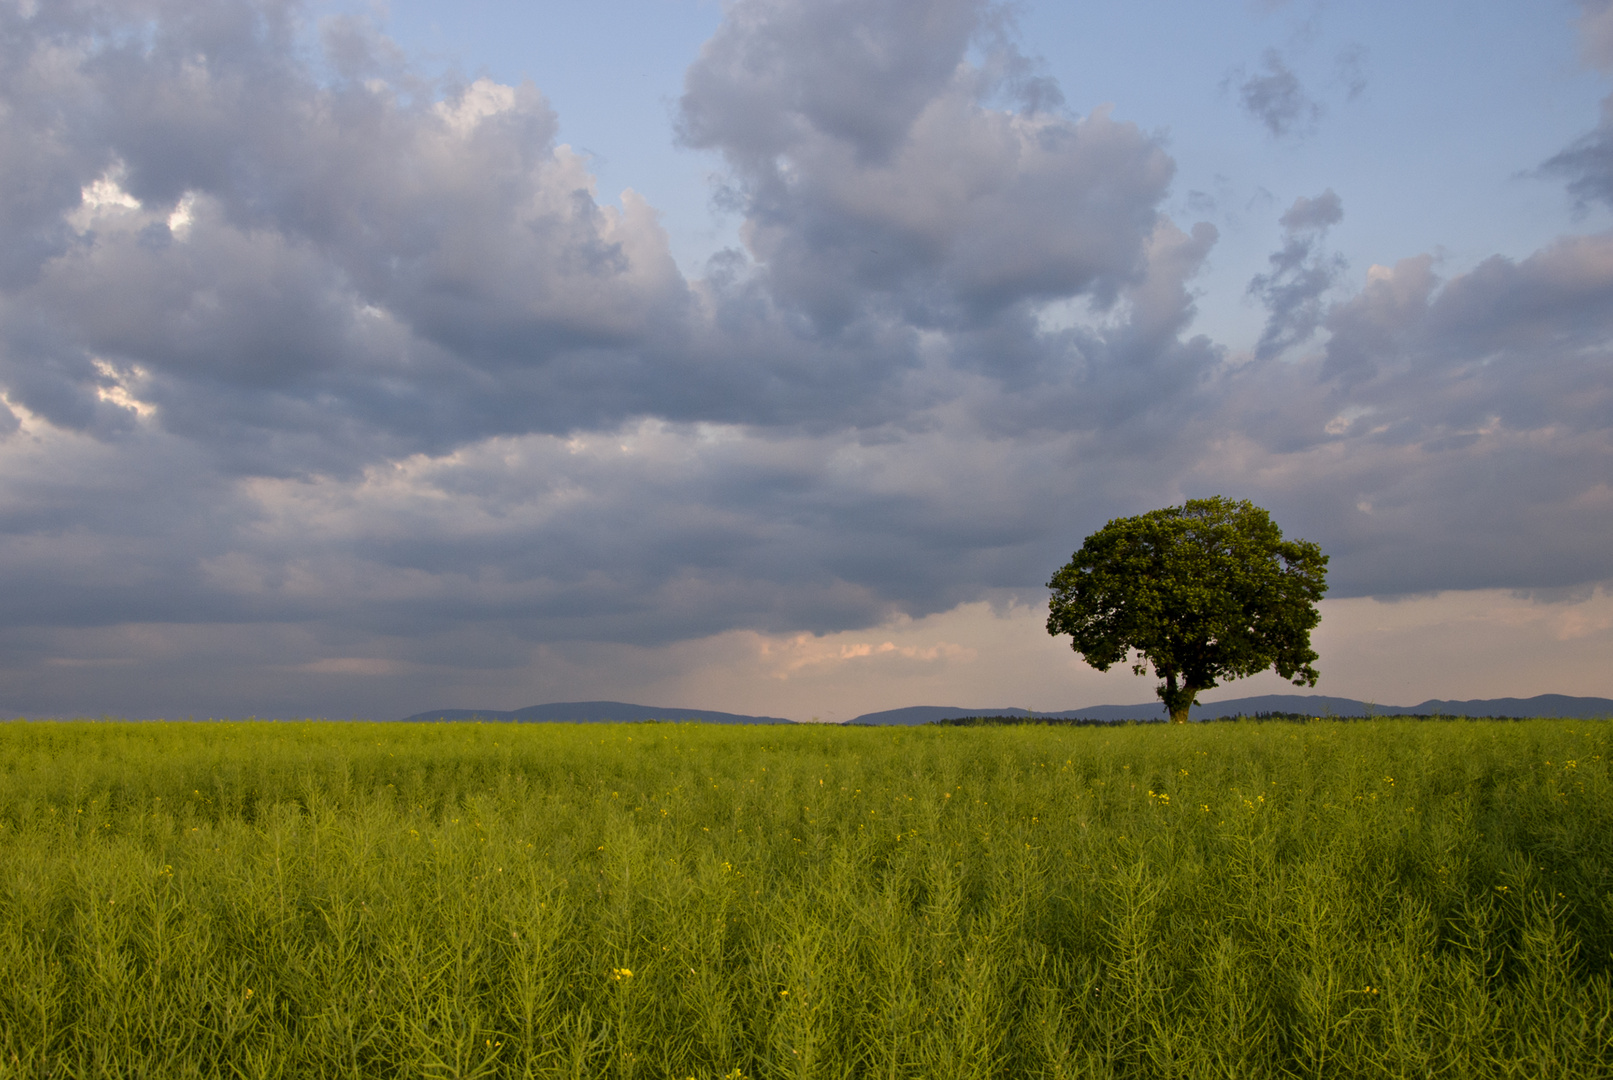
(1059, 721)
(1279, 717)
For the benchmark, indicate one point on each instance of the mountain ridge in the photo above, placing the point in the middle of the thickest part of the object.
(618, 712)
(592, 712)
(1541, 705)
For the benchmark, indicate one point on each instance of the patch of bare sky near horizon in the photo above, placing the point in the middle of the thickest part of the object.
(980, 654)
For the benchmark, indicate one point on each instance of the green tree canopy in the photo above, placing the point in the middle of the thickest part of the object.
(1205, 591)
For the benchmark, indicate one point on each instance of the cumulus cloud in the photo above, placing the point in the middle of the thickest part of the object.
(314, 275)
(1301, 275)
(308, 275)
(876, 184)
(1452, 434)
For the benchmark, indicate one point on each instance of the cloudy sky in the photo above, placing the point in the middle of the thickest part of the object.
(770, 356)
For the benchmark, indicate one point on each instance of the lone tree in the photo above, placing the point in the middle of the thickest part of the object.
(1205, 591)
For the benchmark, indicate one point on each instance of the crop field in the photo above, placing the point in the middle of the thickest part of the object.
(1240, 900)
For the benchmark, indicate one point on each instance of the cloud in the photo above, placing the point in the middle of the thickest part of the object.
(1351, 67)
(778, 72)
(876, 184)
(1313, 215)
(1276, 98)
(1587, 163)
(309, 275)
(1301, 275)
(1451, 435)
(363, 358)
(790, 657)
(323, 377)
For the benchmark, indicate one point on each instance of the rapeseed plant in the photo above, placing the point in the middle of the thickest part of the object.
(1411, 899)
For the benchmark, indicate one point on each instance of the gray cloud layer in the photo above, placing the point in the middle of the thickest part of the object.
(345, 362)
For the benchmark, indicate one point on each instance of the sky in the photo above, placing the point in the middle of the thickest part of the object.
(362, 359)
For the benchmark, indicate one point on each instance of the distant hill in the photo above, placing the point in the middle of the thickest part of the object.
(617, 712)
(1539, 705)
(591, 712)
(929, 714)
(1308, 704)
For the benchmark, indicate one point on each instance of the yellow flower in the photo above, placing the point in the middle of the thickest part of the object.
(620, 974)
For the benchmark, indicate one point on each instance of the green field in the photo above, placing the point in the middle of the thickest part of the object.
(1387, 898)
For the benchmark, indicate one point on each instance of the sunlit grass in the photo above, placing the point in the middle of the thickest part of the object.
(1392, 898)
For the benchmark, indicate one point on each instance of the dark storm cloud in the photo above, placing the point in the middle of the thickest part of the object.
(1301, 275)
(1275, 97)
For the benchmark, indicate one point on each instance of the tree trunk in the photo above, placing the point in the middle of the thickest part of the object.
(1177, 699)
